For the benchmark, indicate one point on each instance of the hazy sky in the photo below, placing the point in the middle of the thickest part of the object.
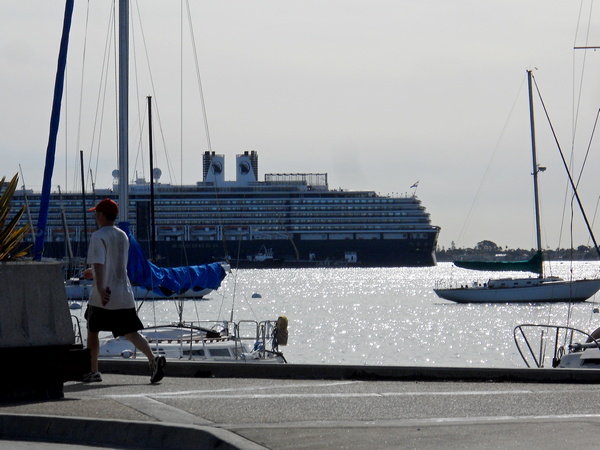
(379, 94)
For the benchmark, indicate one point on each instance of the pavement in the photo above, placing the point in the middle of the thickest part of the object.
(241, 406)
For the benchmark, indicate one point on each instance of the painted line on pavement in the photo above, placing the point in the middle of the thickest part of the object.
(201, 392)
(222, 394)
(449, 421)
(161, 411)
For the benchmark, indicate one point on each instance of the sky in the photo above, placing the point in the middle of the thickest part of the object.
(378, 94)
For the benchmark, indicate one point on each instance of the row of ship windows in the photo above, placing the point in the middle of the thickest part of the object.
(339, 227)
(256, 229)
(271, 225)
(181, 236)
(268, 213)
(284, 201)
(280, 225)
(55, 233)
(310, 205)
(213, 219)
(72, 212)
(289, 218)
(195, 217)
(75, 205)
(323, 210)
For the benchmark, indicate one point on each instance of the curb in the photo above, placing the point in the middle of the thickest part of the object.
(196, 369)
(118, 433)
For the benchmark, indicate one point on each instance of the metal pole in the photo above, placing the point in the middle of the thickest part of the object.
(535, 166)
(85, 211)
(123, 110)
(152, 217)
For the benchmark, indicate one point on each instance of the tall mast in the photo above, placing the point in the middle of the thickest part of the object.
(152, 216)
(123, 110)
(536, 197)
(85, 227)
(59, 82)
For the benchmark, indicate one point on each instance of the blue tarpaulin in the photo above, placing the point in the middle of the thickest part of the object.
(173, 280)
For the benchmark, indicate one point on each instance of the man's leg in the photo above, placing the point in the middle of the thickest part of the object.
(157, 364)
(93, 345)
(141, 344)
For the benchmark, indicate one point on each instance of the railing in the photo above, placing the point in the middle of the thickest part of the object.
(77, 329)
(560, 338)
(195, 340)
(451, 284)
(260, 333)
(257, 333)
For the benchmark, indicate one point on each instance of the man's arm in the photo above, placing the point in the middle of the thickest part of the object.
(102, 289)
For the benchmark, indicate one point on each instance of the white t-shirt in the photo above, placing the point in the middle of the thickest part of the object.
(110, 246)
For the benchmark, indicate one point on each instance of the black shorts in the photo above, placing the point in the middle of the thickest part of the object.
(119, 321)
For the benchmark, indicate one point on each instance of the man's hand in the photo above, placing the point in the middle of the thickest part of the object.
(105, 296)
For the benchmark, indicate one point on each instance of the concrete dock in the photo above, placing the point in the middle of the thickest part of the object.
(244, 406)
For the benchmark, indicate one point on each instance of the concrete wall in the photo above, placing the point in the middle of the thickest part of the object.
(33, 305)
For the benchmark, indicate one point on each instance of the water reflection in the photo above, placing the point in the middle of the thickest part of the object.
(382, 316)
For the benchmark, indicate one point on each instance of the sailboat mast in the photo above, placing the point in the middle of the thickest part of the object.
(152, 210)
(85, 227)
(123, 110)
(38, 246)
(536, 197)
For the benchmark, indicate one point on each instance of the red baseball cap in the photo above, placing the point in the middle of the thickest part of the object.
(106, 206)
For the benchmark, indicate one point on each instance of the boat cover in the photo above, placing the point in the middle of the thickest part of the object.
(534, 264)
(171, 280)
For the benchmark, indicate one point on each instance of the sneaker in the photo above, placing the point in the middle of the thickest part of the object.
(157, 367)
(92, 377)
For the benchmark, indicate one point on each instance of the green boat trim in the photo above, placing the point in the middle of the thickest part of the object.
(534, 264)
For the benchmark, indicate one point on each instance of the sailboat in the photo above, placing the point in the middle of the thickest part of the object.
(529, 290)
(218, 341)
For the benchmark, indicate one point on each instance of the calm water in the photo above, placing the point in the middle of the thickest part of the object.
(381, 316)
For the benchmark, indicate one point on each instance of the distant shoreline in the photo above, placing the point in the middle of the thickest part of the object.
(581, 253)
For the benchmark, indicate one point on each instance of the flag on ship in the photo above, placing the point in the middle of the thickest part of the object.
(415, 185)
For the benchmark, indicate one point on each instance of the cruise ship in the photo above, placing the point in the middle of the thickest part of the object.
(288, 220)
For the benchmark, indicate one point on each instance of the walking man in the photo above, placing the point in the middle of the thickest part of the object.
(111, 306)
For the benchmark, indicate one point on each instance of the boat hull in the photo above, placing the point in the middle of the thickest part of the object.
(176, 342)
(312, 253)
(559, 291)
(79, 290)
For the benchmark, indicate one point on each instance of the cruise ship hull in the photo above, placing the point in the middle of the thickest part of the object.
(242, 254)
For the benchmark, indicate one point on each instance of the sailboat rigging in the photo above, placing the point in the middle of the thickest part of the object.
(181, 339)
(159, 281)
(540, 289)
(165, 281)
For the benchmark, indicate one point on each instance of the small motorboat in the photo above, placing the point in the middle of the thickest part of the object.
(543, 345)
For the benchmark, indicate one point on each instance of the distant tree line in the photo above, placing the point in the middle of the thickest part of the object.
(489, 251)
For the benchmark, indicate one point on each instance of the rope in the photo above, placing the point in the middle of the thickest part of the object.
(567, 169)
(490, 163)
(575, 194)
(204, 114)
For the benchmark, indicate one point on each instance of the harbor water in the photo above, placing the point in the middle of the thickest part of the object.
(382, 316)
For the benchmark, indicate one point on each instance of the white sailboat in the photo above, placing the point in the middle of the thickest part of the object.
(531, 289)
(221, 340)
